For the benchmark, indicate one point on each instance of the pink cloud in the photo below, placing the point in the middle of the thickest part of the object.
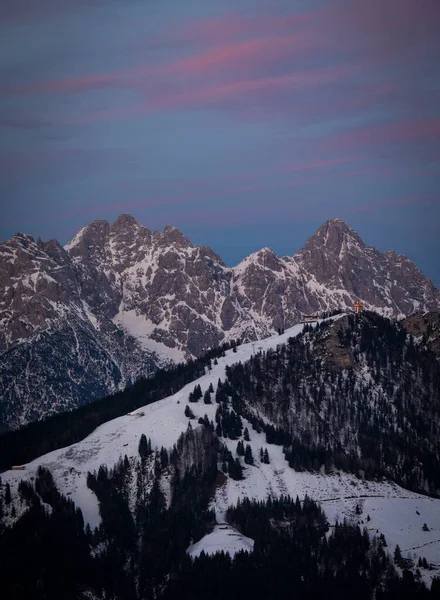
(224, 58)
(238, 94)
(241, 54)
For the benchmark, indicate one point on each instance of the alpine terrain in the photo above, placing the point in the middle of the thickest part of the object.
(119, 301)
(304, 465)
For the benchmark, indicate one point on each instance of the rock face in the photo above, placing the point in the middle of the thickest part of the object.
(118, 300)
(425, 329)
(56, 351)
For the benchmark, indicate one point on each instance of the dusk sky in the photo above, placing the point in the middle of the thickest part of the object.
(243, 123)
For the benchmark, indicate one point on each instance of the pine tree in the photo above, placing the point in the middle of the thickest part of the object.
(248, 458)
(397, 554)
(240, 448)
(144, 447)
(211, 388)
(235, 469)
(266, 459)
(207, 397)
(163, 458)
(188, 412)
(8, 494)
(246, 435)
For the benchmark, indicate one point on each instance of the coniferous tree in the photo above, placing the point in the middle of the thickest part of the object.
(240, 448)
(188, 412)
(248, 458)
(246, 435)
(144, 447)
(164, 457)
(235, 469)
(207, 397)
(266, 459)
(7, 494)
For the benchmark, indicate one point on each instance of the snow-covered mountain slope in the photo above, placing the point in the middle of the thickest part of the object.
(143, 298)
(381, 506)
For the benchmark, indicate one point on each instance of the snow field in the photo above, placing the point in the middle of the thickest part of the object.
(222, 538)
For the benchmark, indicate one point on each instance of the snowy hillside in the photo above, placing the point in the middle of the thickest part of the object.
(382, 506)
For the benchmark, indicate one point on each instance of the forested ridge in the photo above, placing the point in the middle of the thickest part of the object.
(139, 550)
(41, 437)
(359, 394)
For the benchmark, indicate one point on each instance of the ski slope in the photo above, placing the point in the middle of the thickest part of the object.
(397, 513)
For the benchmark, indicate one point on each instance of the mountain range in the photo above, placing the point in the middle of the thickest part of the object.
(118, 301)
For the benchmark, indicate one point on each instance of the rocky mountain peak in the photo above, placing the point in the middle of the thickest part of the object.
(172, 235)
(334, 235)
(267, 259)
(129, 240)
(92, 235)
(124, 222)
(99, 226)
(23, 239)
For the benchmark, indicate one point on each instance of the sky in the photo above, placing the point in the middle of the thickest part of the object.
(243, 123)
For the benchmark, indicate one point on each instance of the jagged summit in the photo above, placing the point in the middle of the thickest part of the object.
(172, 235)
(125, 221)
(170, 228)
(334, 235)
(91, 234)
(23, 238)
